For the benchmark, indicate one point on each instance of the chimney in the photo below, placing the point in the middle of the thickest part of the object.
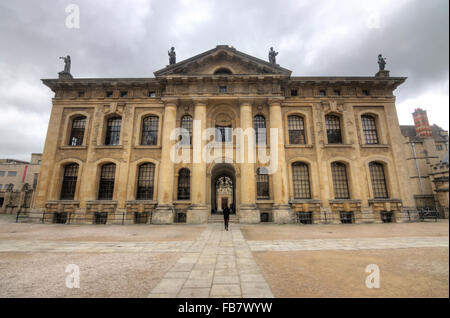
(423, 129)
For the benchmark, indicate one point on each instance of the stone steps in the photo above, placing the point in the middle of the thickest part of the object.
(218, 218)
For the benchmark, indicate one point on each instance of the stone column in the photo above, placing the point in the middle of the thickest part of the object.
(164, 212)
(198, 212)
(248, 211)
(281, 209)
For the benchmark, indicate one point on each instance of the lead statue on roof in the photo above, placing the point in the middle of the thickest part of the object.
(381, 62)
(172, 56)
(273, 56)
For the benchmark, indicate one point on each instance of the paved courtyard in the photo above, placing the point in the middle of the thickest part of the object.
(206, 261)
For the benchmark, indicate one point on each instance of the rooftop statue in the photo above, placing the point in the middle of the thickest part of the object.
(67, 63)
(272, 56)
(381, 62)
(172, 56)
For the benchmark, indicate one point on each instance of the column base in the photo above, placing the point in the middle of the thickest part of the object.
(249, 214)
(197, 214)
(163, 214)
(282, 214)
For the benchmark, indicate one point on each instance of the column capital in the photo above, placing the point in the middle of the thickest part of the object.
(245, 101)
(200, 101)
(170, 101)
(275, 100)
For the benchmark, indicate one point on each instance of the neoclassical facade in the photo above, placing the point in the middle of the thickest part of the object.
(108, 155)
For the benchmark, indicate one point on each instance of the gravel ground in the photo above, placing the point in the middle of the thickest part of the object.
(412, 272)
(101, 275)
(321, 231)
(99, 233)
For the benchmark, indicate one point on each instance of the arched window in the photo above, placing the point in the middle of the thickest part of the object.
(296, 128)
(113, 131)
(262, 183)
(259, 123)
(300, 177)
(378, 180)
(69, 182)
(333, 125)
(77, 131)
(184, 184)
(106, 184)
(186, 123)
(145, 182)
(150, 131)
(340, 180)
(369, 126)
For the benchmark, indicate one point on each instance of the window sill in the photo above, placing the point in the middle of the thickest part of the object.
(182, 202)
(141, 202)
(147, 147)
(374, 146)
(340, 201)
(109, 147)
(298, 146)
(384, 200)
(264, 201)
(73, 147)
(101, 202)
(301, 201)
(338, 146)
(63, 202)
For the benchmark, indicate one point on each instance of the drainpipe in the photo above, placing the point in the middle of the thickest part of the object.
(417, 167)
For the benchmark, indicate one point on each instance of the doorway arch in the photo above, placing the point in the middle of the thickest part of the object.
(223, 187)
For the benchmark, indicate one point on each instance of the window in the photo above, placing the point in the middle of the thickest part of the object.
(81, 94)
(223, 71)
(35, 180)
(2, 173)
(300, 177)
(340, 181)
(260, 129)
(145, 182)
(369, 129)
(365, 92)
(113, 131)
(294, 92)
(77, 131)
(152, 94)
(109, 94)
(296, 129)
(262, 184)
(1, 185)
(378, 180)
(69, 182)
(224, 134)
(123, 93)
(106, 185)
(222, 89)
(337, 92)
(12, 173)
(322, 92)
(184, 184)
(150, 131)
(186, 123)
(333, 125)
(439, 148)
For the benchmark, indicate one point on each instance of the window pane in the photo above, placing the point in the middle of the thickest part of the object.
(224, 134)
(113, 131)
(296, 130)
(340, 182)
(146, 180)
(106, 186)
(370, 130)
(77, 132)
(333, 125)
(378, 180)
(262, 183)
(150, 130)
(184, 184)
(300, 176)
(260, 129)
(69, 182)
(186, 123)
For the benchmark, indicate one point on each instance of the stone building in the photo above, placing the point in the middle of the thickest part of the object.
(18, 180)
(426, 147)
(335, 142)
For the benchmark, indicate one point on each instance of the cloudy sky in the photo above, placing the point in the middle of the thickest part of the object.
(119, 38)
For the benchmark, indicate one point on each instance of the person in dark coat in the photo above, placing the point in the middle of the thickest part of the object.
(226, 216)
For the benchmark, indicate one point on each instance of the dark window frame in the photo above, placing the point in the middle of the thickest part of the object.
(113, 130)
(296, 130)
(262, 184)
(150, 130)
(301, 180)
(107, 181)
(370, 129)
(69, 181)
(77, 131)
(184, 184)
(146, 181)
(334, 130)
(340, 180)
(259, 124)
(186, 123)
(378, 180)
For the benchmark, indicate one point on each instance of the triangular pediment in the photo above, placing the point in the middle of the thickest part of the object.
(223, 59)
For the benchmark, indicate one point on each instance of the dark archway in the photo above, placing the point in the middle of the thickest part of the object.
(223, 176)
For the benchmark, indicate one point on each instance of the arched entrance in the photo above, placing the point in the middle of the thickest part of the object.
(223, 188)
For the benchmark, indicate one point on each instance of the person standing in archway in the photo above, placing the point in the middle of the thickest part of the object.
(226, 217)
